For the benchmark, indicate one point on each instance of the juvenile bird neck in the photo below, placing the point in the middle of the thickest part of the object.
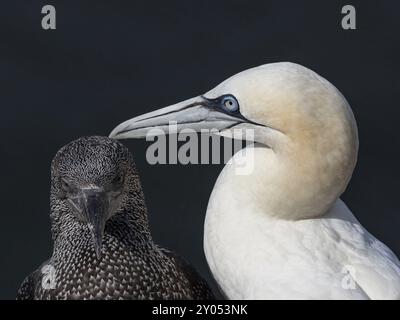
(129, 225)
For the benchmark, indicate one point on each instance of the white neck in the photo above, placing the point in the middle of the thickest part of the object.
(290, 183)
(243, 209)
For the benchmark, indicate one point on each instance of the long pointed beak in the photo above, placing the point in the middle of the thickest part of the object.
(93, 205)
(197, 113)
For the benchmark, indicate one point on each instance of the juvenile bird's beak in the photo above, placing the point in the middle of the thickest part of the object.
(94, 206)
(196, 113)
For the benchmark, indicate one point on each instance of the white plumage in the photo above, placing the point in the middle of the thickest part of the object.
(280, 231)
(255, 256)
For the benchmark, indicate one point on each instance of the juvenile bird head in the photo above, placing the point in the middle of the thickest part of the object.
(93, 179)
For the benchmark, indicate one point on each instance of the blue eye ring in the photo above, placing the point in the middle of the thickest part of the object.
(229, 103)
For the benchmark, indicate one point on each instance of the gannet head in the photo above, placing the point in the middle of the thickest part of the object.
(94, 180)
(291, 109)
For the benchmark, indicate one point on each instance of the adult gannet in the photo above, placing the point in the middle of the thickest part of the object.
(281, 231)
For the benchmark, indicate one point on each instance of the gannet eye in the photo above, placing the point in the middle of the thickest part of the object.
(118, 180)
(66, 187)
(229, 103)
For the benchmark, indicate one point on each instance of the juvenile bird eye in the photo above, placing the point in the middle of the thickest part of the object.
(118, 180)
(66, 186)
(230, 104)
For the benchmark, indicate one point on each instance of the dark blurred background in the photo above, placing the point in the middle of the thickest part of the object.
(110, 60)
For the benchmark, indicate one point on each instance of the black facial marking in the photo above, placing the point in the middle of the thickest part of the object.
(217, 104)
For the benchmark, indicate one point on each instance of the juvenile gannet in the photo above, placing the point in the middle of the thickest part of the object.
(103, 248)
(281, 232)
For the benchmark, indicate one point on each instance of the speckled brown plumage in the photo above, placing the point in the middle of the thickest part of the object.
(131, 265)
